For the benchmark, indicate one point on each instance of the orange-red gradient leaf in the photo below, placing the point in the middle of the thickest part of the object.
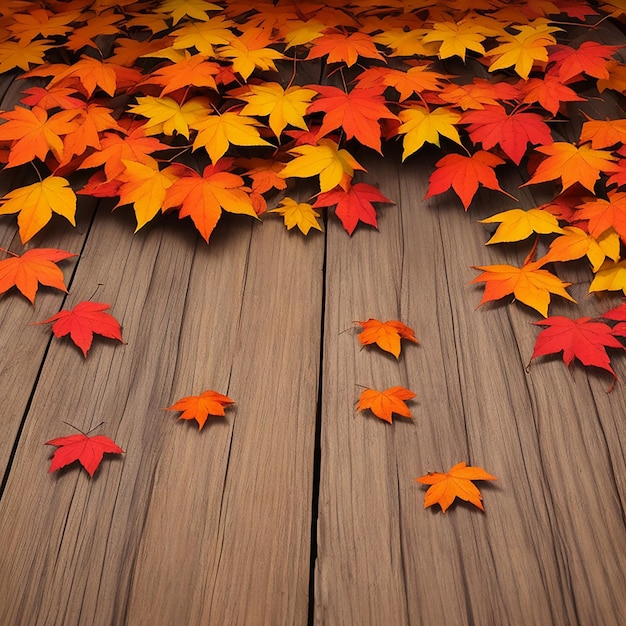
(200, 407)
(386, 335)
(384, 403)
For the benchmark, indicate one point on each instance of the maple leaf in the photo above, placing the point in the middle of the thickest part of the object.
(386, 335)
(529, 284)
(583, 339)
(603, 133)
(55, 97)
(455, 483)
(283, 106)
(589, 58)
(300, 214)
(517, 224)
(21, 54)
(384, 403)
(38, 22)
(196, 9)
(479, 93)
(33, 134)
(572, 165)
(344, 47)
(144, 186)
(575, 243)
(167, 116)
(35, 266)
(264, 173)
(203, 197)
(190, 70)
(204, 35)
(217, 132)
(421, 125)
(604, 214)
(35, 204)
(549, 92)
(610, 277)
(357, 112)
(334, 165)
(523, 49)
(456, 38)
(250, 51)
(88, 451)
(200, 407)
(85, 319)
(353, 204)
(415, 80)
(513, 131)
(464, 174)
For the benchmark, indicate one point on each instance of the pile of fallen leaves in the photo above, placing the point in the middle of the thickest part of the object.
(199, 107)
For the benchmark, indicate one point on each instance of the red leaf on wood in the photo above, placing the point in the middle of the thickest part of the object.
(88, 451)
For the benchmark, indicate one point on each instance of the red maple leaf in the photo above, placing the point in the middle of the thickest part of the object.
(583, 339)
(513, 131)
(354, 204)
(88, 451)
(464, 174)
(357, 112)
(589, 58)
(85, 319)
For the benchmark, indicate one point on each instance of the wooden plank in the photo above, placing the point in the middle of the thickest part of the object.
(550, 548)
(186, 524)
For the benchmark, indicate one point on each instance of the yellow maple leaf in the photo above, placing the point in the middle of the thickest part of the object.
(204, 35)
(456, 38)
(523, 49)
(298, 33)
(419, 125)
(333, 165)
(217, 132)
(575, 243)
(300, 214)
(284, 106)
(35, 204)
(517, 224)
(144, 186)
(406, 43)
(249, 51)
(192, 8)
(167, 116)
(610, 277)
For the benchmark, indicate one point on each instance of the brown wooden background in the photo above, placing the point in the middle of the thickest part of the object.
(294, 509)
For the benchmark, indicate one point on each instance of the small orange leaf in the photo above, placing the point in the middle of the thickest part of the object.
(200, 407)
(386, 335)
(456, 483)
(383, 403)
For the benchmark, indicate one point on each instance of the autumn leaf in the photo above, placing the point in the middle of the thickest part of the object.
(344, 47)
(34, 267)
(386, 335)
(583, 339)
(88, 451)
(384, 403)
(603, 133)
(464, 174)
(283, 106)
(35, 204)
(604, 214)
(300, 214)
(572, 164)
(81, 322)
(589, 58)
(456, 38)
(529, 284)
(217, 132)
(250, 51)
(165, 115)
(357, 112)
(14, 54)
(353, 205)
(189, 70)
(203, 197)
(576, 243)
(549, 92)
(455, 483)
(610, 277)
(200, 407)
(421, 125)
(493, 126)
(334, 165)
(517, 224)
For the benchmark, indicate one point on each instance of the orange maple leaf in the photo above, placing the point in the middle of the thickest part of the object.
(386, 335)
(572, 164)
(203, 197)
(358, 113)
(33, 267)
(384, 403)
(344, 47)
(455, 483)
(200, 407)
(464, 174)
